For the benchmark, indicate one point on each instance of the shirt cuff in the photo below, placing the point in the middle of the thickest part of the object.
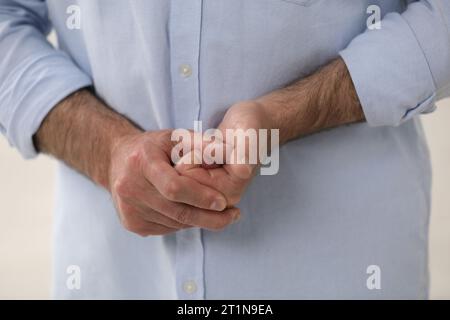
(30, 97)
(392, 74)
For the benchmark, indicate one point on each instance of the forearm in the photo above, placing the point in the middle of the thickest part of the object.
(323, 100)
(81, 131)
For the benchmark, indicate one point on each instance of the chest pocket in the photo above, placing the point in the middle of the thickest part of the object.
(304, 3)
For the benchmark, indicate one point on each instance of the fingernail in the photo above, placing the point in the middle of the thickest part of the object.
(218, 205)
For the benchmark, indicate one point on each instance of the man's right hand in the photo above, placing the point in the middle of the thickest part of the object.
(152, 198)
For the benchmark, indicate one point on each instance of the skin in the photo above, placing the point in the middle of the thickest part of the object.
(154, 197)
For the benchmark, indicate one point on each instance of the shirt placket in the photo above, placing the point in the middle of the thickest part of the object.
(185, 34)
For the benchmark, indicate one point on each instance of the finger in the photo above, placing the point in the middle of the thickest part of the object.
(238, 163)
(204, 148)
(177, 188)
(192, 159)
(241, 159)
(243, 172)
(133, 222)
(240, 171)
(228, 181)
(196, 217)
(153, 229)
(151, 215)
(219, 179)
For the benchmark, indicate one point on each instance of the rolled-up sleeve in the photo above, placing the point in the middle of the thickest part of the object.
(34, 76)
(402, 69)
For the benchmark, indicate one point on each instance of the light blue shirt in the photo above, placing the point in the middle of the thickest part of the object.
(344, 200)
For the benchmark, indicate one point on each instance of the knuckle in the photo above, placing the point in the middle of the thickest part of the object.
(127, 211)
(128, 218)
(121, 187)
(183, 215)
(130, 225)
(172, 190)
(153, 169)
(126, 188)
(134, 158)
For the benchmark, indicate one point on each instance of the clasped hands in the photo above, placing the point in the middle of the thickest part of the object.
(155, 197)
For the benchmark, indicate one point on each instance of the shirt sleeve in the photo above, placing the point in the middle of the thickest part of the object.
(34, 76)
(402, 69)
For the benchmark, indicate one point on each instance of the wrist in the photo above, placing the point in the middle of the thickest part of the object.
(92, 132)
(122, 137)
(282, 110)
(323, 100)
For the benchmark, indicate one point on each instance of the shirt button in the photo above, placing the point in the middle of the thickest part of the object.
(190, 287)
(185, 70)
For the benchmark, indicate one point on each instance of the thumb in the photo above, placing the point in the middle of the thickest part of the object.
(240, 160)
(190, 160)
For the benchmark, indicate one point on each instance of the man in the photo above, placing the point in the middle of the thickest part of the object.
(345, 217)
